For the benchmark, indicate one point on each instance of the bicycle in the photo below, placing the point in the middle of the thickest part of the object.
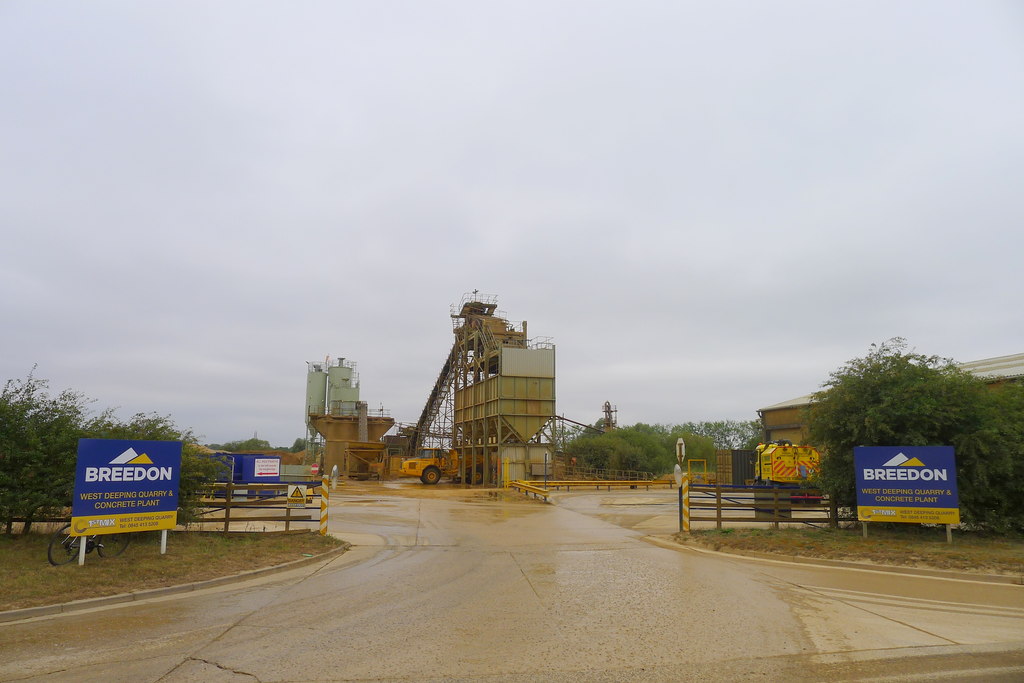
(64, 547)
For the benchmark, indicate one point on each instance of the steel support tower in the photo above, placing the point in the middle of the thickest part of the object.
(492, 398)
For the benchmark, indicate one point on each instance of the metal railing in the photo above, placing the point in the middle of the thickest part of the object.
(609, 484)
(530, 488)
(578, 472)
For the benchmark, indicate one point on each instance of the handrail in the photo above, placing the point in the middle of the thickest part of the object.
(579, 471)
(607, 483)
(527, 487)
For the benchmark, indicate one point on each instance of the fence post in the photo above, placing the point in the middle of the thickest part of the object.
(324, 499)
(833, 512)
(718, 506)
(775, 508)
(227, 505)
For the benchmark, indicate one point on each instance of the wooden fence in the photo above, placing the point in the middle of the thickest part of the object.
(229, 503)
(723, 504)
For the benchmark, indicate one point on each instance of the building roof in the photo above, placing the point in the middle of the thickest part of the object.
(1002, 367)
(791, 403)
(988, 369)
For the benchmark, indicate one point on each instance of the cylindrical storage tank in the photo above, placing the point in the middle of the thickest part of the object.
(316, 390)
(339, 387)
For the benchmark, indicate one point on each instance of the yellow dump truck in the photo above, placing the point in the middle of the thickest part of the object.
(431, 464)
(780, 462)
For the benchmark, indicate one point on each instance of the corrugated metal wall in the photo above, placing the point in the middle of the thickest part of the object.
(785, 423)
(519, 460)
(527, 362)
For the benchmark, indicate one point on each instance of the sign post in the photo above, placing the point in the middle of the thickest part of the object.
(124, 486)
(912, 484)
(684, 495)
(677, 473)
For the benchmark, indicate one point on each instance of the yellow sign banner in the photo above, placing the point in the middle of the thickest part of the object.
(871, 513)
(120, 524)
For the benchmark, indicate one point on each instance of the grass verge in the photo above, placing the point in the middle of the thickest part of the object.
(901, 546)
(28, 580)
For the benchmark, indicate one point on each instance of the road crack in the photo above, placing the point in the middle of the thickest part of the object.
(526, 576)
(217, 665)
(849, 603)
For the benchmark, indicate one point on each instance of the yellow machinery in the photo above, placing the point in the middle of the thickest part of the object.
(431, 464)
(780, 462)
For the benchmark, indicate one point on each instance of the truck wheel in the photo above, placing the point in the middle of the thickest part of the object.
(431, 475)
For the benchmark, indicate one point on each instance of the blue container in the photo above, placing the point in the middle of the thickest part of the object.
(255, 468)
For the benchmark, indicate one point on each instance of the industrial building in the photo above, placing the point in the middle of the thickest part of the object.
(504, 389)
(342, 425)
(491, 402)
(788, 419)
(493, 396)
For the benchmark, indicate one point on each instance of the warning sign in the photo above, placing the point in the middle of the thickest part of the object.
(296, 496)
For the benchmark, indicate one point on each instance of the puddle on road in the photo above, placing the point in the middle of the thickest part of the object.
(489, 513)
(635, 501)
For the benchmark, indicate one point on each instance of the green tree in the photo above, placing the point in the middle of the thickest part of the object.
(243, 446)
(627, 448)
(640, 447)
(698, 447)
(39, 437)
(893, 397)
(589, 450)
(38, 446)
(298, 446)
(727, 434)
(196, 468)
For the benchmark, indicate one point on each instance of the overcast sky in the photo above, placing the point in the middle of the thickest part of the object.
(708, 206)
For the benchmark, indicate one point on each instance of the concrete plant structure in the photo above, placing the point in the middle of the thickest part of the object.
(350, 431)
(493, 397)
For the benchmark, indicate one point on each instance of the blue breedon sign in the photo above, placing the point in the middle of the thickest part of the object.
(906, 484)
(125, 485)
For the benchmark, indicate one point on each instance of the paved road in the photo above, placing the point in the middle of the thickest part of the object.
(460, 586)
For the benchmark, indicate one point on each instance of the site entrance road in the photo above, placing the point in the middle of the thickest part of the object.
(450, 584)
